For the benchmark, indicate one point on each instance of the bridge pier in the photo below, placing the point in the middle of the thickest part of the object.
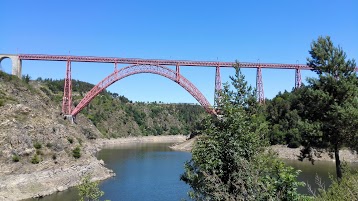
(260, 86)
(16, 63)
(217, 85)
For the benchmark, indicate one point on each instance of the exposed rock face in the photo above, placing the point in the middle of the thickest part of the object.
(36, 144)
(50, 180)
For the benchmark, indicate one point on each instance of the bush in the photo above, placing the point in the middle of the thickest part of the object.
(37, 145)
(15, 158)
(39, 152)
(26, 78)
(70, 140)
(79, 140)
(76, 152)
(293, 144)
(49, 145)
(345, 189)
(35, 159)
(88, 190)
(54, 157)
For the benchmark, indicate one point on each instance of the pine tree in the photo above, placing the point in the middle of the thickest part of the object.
(331, 102)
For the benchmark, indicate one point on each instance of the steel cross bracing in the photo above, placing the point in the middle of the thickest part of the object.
(67, 91)
(259, 86)
(217, 85)
(298, 80)
(136, 69)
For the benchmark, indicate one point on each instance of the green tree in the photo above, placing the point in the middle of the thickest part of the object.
(89, 191)
(331, 102)
(26, 78)
(283, 117)
(228, 161)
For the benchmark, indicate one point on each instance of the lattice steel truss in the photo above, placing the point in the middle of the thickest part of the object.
(260, 86)
(217, 85)
(157, 66)
(67, 91)
(161, 62)
(136, 69)
(298, 80)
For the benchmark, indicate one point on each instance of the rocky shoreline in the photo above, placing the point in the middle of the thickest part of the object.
(283, 152)
(292, 153)
(66, 174)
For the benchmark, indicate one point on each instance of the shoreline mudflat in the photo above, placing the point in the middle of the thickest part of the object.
(292, 153)
(283, 152)
(46, 179)
(144, 139)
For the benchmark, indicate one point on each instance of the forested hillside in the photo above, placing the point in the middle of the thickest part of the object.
(116, 116)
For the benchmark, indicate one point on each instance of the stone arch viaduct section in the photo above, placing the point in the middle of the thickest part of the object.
(16, 63)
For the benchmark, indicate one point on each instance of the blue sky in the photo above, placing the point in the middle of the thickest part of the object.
(268, 31)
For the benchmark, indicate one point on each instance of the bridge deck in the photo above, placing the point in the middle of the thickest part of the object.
(45, 57)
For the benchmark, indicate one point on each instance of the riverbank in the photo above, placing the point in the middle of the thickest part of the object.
(292, 153)
(49, 178)
(144, 139)
(282, 151)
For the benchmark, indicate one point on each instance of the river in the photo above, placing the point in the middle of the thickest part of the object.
(151, 171)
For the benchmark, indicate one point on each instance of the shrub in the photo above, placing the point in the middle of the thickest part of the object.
(15, 158)
(49, 145)
(293, 144)
(70, 140)
(54, 157)
(76, 152)
(39, 152)
(37, 145)
(88, 190)
(345, 189)
(35, 159)
(79, 140)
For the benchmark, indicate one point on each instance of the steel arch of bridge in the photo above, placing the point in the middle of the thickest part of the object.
(137, 69)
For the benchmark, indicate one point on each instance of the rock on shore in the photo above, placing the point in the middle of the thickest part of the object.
(66, 173)
(48, 181)
(282, 151)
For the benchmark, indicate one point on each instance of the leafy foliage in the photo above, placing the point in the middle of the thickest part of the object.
(15, 158)
(344, 190)
(35, 159)
(284, 119)
(76, 153)
(37, 145)
(228, 161)
(70, 140)
(26, 78)
(89, 191)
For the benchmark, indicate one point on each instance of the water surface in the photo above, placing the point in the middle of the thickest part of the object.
(143, 172)
(152, 172)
